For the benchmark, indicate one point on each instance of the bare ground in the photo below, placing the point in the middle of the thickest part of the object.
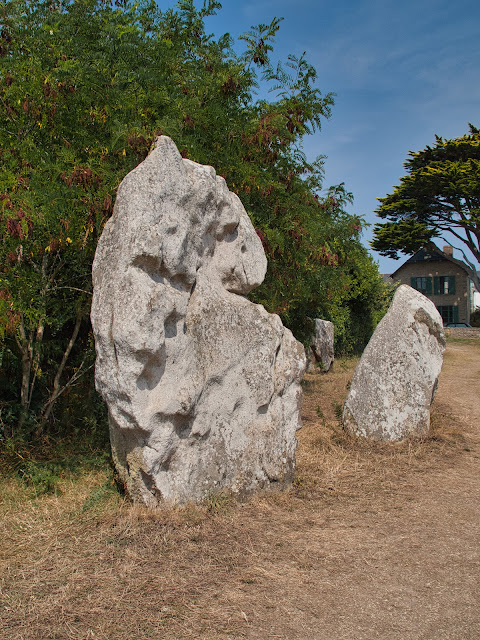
(373, 541)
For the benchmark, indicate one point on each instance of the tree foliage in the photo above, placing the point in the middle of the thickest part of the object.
(440, 194)
(85, 87)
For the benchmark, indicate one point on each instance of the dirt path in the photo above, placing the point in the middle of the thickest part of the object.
(374, 542)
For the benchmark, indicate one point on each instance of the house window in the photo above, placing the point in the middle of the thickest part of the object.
(444, 285)
(449, 313)
(422, 284)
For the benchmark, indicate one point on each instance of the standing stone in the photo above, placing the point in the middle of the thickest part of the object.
(396, 379)
(202, 385)
(322, 352)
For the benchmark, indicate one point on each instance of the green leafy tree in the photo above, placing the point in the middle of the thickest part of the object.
(440, 194)
(85, 87)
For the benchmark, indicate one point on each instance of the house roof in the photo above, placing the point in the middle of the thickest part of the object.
(432, 254)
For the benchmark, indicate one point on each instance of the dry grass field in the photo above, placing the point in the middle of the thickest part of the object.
(372, 541)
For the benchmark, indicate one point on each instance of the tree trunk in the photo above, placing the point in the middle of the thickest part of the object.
(36, 358)
(26, 349)
(56, 391)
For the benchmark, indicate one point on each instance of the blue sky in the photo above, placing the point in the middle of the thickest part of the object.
(402, 71)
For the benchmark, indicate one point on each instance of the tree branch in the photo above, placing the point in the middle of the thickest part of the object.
(47, 408)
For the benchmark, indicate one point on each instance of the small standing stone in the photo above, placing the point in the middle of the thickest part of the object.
(396, 379)
(322, 351)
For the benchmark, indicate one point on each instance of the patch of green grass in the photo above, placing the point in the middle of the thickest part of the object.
(42, 477)
(42, 468)
(319, 412)
(338, 411)
(217, 503)
(457, 340)
(99, 496)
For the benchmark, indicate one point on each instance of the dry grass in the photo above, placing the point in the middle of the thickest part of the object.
(85, 564)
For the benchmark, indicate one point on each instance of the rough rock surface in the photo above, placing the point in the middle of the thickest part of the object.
(322, 352)
(202, 385)
(396, 379)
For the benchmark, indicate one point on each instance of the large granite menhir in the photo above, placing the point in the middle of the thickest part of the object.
(396, 379)
(202, 385)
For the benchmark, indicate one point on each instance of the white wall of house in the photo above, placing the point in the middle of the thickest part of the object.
(476, 299)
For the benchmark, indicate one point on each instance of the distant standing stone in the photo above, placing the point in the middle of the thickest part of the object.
(322, 352)
(396, 379)
(202, 385)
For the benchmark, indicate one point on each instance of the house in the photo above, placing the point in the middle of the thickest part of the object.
(443, 279)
